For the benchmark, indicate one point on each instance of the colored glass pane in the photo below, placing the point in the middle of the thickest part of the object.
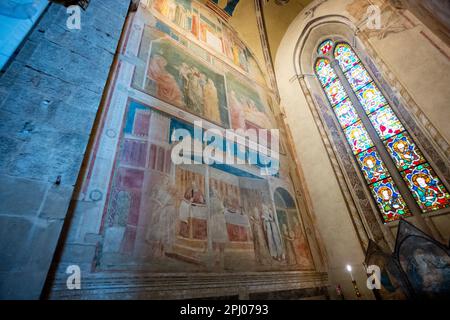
(325, 47)
(358, 138)
(335, 92)
(386, 122)
(325, 71)
(372, 166)
(427, 189)
(346, 113)
(404, 152)
(345, 56)
(389, 200)
(358, 77)
(371, 98)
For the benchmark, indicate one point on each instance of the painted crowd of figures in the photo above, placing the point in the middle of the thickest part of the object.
(180, 79)
(193, 90)
(183, 74)
(162, 215)
(184, 214)
(193, 18)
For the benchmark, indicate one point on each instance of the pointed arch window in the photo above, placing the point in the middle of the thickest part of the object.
(399, 177)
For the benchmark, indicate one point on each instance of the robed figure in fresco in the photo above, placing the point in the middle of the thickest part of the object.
(218, 227)
(302, 252)
(194, 195)
(183, 74)
(166, 85)
(195, 94)
(273, 237)
(211, 102)
(192, 205)
(161, 225)
(259, 240)
(289, 238)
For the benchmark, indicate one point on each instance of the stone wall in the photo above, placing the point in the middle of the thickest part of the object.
(49, 97)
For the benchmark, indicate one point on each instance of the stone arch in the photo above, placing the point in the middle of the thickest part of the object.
(362, 209)
(341, 29)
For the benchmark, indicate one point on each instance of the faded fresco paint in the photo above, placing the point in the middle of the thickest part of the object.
(182, 73)
(162, 217)
(140, 215)
(177, 77)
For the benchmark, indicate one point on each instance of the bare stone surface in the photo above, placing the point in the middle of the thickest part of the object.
(57, 202)
(26, 250)
(20, 197)
(49, 97)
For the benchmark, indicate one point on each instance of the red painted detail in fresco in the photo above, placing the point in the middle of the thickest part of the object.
(130, 178)
(133, 213)
(134, 153)
(199, 229)
(237, 233)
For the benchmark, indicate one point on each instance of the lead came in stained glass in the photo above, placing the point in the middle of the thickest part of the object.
(427, 189)
(404, 152)
(386, 122)
(335, 92)
(346, 113)
(372, 165)
(358, 77)
(358, 138)
(325, 71)
(325, 47)
(424, 184)
(389, 200)
(345, 56)
(371, 98)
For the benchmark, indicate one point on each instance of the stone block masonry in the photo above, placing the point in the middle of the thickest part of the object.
(49, 97)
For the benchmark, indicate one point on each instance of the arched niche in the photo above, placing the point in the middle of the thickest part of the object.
(362, 209)
(318, 31)
(292, 233)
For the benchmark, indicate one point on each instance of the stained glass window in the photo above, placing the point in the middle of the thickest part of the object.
(346, 113)
(325, 71)
(372, 166)
(358, 77)
(371, 98)
(389, 200)
(386, 122)
(426, 187)
(325, 47)
(404, 152)
(357, 137)
(335, 92)
(345, 56)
